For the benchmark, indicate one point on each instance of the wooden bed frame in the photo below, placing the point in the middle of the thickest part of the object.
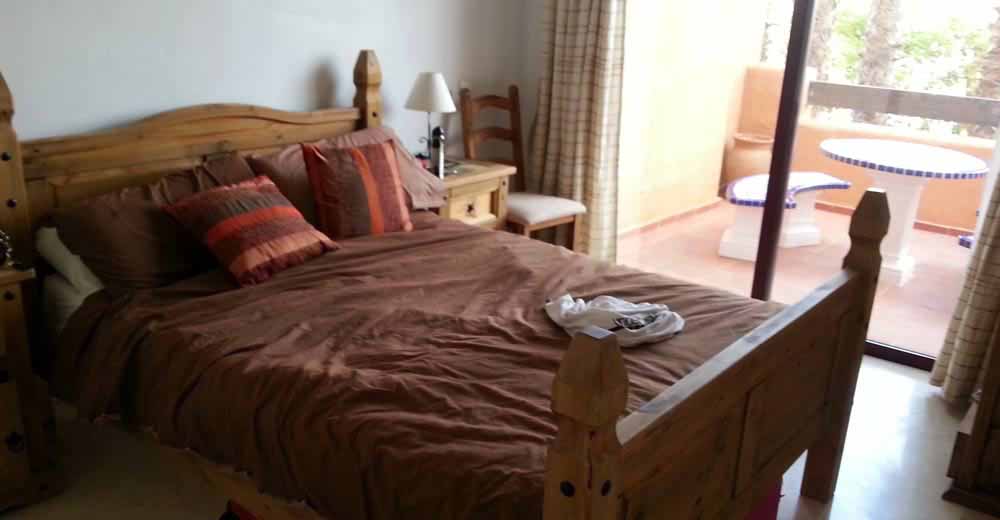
(709, 446)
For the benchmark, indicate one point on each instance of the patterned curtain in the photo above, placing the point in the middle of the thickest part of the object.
(977, 317)
(576, 133)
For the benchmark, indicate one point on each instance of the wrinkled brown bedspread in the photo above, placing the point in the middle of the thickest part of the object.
(404, 376)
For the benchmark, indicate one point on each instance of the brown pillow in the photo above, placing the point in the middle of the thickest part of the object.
(252, 229)
(288, 171)
(127, 239)
(358, 191)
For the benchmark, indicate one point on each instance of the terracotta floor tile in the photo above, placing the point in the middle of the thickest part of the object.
(914, 317)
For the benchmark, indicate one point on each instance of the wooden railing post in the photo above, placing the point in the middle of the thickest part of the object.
(583, 465)
(13, 195)
(868, 226)
(368, 97)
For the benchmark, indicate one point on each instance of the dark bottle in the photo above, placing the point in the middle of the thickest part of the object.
(437, 151)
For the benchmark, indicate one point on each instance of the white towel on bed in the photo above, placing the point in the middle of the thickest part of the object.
(574, 315)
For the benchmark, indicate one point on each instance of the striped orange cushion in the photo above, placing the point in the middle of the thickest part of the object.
(357, 190)
(251, 228)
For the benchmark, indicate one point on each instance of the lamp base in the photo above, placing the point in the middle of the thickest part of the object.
(450, 168)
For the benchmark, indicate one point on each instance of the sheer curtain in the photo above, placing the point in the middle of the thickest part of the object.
(576, 133)
(977, 317)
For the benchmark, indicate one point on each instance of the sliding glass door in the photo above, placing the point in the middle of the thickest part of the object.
(898, 94)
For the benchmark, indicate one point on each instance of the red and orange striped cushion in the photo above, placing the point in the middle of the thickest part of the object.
(357, 190)
(252, 229)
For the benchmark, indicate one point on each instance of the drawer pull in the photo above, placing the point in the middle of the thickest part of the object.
(470, 209)
(6, 156)
(9, 296)
(14, 442)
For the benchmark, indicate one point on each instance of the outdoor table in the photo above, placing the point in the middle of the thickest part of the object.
(902, 169)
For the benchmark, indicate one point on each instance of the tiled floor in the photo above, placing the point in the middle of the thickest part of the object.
(914, 317)
(897, 450)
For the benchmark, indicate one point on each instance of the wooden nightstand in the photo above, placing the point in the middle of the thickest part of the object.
(28, 466)
(477, 194)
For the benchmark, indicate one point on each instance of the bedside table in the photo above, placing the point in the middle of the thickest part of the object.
(28, 466)
(477, 194)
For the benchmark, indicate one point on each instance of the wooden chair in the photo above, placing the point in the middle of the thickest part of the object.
(526, 212)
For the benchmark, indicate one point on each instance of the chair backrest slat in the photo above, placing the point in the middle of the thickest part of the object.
(473, 136)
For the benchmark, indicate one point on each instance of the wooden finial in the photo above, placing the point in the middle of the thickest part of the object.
(13, 195)
(869, 226)
(591, 386)
(368, 98)
(583, 464)
(6, 101)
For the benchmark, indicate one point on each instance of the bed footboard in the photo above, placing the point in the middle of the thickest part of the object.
(715, 443)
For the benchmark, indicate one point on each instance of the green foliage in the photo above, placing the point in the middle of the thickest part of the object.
(947, 59)
(849, 43)
(943, 60)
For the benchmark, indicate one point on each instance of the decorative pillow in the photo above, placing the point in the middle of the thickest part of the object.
(288, 170)
(357, 190)
(252, 229)
(127, 240)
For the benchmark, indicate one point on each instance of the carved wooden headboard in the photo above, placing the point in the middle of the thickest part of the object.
(39, 175)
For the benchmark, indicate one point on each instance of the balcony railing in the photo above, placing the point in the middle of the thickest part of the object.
(958, 109)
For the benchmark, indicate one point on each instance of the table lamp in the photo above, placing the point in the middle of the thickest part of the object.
(430, 94)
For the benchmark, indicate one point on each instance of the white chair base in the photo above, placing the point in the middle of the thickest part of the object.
(798, 229)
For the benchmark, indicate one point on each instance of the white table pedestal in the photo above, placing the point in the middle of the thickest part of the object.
(903, 192)
(902, 169)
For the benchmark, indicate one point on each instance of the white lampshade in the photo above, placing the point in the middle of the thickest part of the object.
(430, 94)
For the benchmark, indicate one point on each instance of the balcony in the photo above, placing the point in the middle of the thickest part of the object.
(671, 218)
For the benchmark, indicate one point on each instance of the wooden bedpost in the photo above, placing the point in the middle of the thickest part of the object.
(368, 98)
(868, 226)
(13, 196)
(583, 465)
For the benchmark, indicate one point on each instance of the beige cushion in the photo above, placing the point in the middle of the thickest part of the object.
(530, 208)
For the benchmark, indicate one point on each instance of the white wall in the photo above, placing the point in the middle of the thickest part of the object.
(76, 66)
(684, 68)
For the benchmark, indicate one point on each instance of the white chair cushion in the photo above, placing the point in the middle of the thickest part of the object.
(530, 208)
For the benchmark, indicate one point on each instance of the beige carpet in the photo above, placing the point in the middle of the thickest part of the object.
(116, 476)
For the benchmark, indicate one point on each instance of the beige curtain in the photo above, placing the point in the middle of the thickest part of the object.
(977, 316)
(576, 133)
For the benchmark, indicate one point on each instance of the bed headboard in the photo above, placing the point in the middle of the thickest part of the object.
(39, 175)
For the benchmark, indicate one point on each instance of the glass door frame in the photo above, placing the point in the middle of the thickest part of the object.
(774, 204)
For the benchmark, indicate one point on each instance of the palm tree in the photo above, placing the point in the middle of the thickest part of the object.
(988, 85)
(880, 50)
(819, 43)
(822, 32)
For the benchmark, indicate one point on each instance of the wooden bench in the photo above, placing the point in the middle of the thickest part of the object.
(798, 228)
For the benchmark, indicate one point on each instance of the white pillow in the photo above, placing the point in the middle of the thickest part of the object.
(55, 252)
(61, 300)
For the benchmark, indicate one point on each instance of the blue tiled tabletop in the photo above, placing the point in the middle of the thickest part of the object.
(902, 158)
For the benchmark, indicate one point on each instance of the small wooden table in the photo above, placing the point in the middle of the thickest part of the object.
(477, 194)
(29, 469)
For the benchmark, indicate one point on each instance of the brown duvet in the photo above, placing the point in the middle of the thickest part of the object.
(404, 376)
